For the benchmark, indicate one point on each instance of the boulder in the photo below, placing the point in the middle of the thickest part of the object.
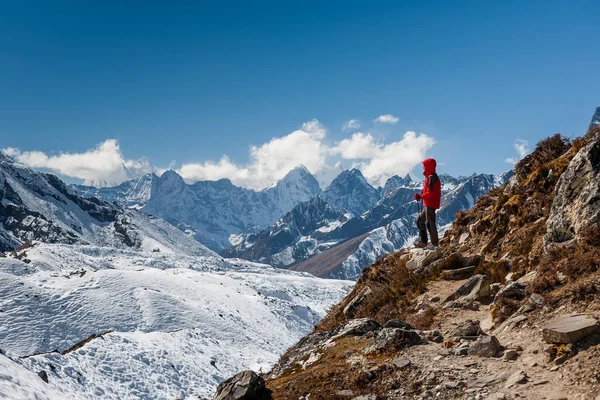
(467, 328)
(43, 376)
(476, 288)
(356, 302)
(486, 346)
(357, 327)
(246, 385)
(392, 339)
(569, 328)
(575, 206)
(420, 258)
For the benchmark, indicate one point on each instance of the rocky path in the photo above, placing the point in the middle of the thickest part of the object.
(520, 368)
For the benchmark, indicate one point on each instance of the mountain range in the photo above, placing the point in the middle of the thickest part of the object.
(387, 225)
(294, 219)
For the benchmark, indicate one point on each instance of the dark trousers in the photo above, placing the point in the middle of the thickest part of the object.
(426, 222)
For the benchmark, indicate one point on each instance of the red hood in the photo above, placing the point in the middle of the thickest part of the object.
(429, 165)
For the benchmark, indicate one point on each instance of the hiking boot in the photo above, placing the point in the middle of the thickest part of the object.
(430, 246)
(420, 245)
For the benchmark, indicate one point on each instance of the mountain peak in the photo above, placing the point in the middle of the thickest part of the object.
(171, 179)
(300, 176)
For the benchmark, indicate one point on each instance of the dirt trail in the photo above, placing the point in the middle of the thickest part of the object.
(458, 376)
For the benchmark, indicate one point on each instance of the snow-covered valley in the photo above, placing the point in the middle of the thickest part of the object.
(168, 325)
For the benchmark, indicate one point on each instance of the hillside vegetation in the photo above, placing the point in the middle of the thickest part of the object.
(415, 323)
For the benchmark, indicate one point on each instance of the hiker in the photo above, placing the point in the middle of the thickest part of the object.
(431, 196)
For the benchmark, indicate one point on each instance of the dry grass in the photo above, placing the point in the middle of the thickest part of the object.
(393, 288)
(333, 373)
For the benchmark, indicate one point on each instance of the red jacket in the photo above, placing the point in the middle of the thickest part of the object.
(432, 187)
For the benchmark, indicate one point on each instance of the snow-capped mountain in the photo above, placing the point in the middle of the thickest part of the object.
(350, 191)
(39, 206)
(400, 230)
(391, 220)
(113, 303)
(327, 174)
(134, 193)
(295, 236)
(213, 212)
(396, 182)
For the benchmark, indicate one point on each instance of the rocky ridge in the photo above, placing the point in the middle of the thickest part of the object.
(505, 309)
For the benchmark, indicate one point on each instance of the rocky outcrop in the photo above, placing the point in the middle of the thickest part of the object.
(569, 328)
(576, 204)
(244, 386)
(420, 258)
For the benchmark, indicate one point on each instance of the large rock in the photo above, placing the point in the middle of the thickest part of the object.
(569, 328)
(244, 386)
(576, 206)
(357, 327)
(467, 328)
(393, 339)
(476, 288)
(422, 257)
(486, 346)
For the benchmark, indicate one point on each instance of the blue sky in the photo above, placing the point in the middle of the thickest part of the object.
(189, 83)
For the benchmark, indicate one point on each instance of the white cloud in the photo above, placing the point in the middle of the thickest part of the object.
(103, 165)
(359, 146)
(398, 157)
(521, 147)
(270, 161)
(351, 125)
(387, 119)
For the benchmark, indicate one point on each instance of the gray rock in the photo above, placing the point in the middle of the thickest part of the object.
(461, 351)
(467, 328)
(357, 327)
(486, 346)
(517, 378)
(511, 355)
(536, 300)
(488, 380)
(246, 385)
(421, 258)
(401, 362)
(396, 323)
(392, 339)
(356, 302)
(569, 328)
(476, 288)
(575, 206)
(43, 375)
